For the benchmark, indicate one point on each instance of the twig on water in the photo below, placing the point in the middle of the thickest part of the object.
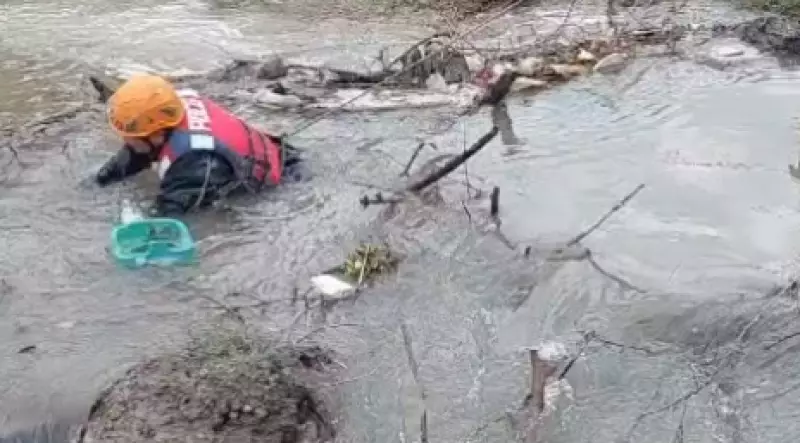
(402, 57)
(412, 363)
(781, 340)
(616, 278)
(587, 338)
(679, 431)
(378, 199)
(14, 154)
(606, 342)
(578, 238)
(413, 158)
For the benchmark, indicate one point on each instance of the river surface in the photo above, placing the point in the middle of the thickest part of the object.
(716, 227)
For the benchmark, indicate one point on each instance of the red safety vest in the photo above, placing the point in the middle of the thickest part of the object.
(254, 156)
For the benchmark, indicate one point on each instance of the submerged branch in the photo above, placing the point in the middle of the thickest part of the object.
(402, 57)
(414, 366)
(450, 166)
(454, 163)
(619, 205)
(414, 156)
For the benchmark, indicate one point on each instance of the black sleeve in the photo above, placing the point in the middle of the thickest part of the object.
(124, 164)
(194, 180)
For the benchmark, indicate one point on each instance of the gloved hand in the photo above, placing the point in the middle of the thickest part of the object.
(94, 178)
(88, 182)
(109, 172)
(297, 172)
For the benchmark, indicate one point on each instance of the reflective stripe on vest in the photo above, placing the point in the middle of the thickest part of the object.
(198, 122)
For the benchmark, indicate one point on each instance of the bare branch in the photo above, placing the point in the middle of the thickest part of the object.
(450, 166)
(578, 238)
(414, 366)
(413, 158)
(454, 163)
(616, 278)
(402, 57)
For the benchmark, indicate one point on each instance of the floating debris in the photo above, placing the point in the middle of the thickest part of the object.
(332, 286)
(368, 262)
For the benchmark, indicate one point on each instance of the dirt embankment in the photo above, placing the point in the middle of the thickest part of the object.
(225, 388)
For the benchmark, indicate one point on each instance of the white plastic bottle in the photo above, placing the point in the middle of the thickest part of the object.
(129, 213)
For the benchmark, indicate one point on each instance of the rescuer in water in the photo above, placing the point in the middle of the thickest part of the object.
(202, 151)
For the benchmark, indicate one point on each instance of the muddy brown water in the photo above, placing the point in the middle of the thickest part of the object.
(717, 226)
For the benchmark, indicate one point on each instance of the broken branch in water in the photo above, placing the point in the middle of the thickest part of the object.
(14, 154)
(414, 366)
(402, 57)
(454, 163)
(438, 174)
(378, 199)
(616, 278)
(620, 204)
(621, 346)
(587, 338)
(480, 25)
(388, 76)
(414, 157)
(494, 202)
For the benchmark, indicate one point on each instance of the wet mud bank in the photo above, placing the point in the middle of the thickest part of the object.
(223, 388)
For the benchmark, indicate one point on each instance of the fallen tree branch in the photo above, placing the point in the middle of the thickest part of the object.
(606, 342)
(454, 163)
(450, 166)
(781, 340)
(480, 25)
(414, 156)
(402, 57)
(619, 280)
(578, 238)
(14, 154)
(587, 338)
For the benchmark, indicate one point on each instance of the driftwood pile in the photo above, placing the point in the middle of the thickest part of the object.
(432, 66)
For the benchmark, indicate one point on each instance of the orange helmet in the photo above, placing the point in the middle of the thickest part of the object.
(143, 105)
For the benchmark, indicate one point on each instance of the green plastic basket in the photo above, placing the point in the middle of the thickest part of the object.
(152, 241)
